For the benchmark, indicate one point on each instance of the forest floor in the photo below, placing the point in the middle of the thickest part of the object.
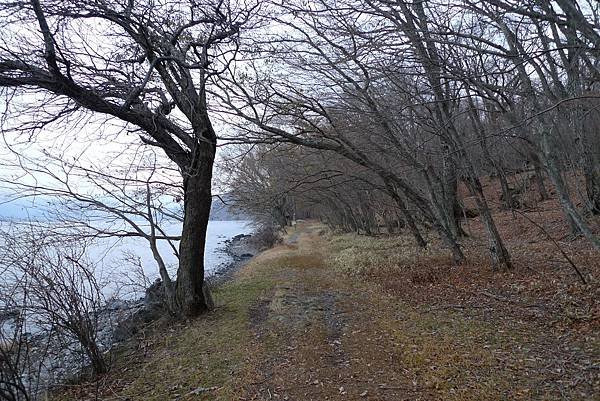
(347, 317)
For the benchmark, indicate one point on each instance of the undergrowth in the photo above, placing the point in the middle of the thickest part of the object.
(201, 359)
(355, 254)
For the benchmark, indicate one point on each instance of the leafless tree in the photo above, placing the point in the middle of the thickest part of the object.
(130, 200)
(50, 287)
(144, 65)
(416, 92)
(14, 353)
(333, 56)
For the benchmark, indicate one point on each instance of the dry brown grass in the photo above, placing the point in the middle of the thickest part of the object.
(328, 317)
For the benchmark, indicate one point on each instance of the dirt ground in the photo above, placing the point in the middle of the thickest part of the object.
(321, 335)
(343, 317)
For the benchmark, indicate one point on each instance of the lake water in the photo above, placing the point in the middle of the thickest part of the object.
(125, 267)
(118, 277)
(114, 257)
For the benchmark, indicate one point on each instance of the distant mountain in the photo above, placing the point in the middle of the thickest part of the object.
(222, 209)
(37, 209)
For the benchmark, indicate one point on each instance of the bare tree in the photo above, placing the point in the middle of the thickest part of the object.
(552, 50)
(145, 65)
(131, 200)
(50, 286)
(338, 99)
(414, 94)
(14, 354)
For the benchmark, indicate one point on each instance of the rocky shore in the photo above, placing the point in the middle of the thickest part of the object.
(119, 319)
(123, 319)
(240, 248)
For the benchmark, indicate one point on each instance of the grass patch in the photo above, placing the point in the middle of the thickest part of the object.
(171, 362)
(362, 255)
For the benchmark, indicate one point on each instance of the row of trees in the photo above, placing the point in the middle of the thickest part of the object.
(414, 98)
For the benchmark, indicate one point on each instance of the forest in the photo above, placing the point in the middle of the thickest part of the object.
(396, 108)
(443, 153)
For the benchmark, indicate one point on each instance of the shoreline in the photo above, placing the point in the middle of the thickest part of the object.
(241, 249)
(118, 320)
(125, 317)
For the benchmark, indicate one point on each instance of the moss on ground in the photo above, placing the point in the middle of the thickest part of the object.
(201, 359)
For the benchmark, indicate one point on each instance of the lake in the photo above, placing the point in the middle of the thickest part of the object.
(114, 257)
(125, 267)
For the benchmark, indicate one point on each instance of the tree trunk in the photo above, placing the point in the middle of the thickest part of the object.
(441, 221)
(390, 223)
(451, 242)
(591, 170)
(189, 291)
(568, 207)
(498, 252)
(588, 159)
(539, 178)
(479, 128)
(592, 187)
(450, 194)
(414, 230)
(507, 203)
(99, 365)
(90, 347)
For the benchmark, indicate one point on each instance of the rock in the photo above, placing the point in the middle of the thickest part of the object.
(154, 294)
(140, 313)
(239, 237)
(131, 325)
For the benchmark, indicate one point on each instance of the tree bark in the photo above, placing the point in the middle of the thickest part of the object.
(450, 194)
(189, 290)
(498, 252)
(99, 365)
(592, 187)
(539, 178)
(569, 209)
(414, 230)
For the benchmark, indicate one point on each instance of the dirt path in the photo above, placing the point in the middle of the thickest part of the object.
(309, 325)
(320, 336)
(320, 340)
